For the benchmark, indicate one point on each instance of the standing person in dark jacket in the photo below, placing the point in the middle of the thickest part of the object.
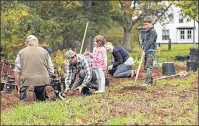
(149, 48)
(123, 62)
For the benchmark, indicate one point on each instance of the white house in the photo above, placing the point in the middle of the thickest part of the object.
(178, 29)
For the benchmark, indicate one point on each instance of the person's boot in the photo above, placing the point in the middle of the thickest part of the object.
(30, 93)
(50, 93)
(133, 73)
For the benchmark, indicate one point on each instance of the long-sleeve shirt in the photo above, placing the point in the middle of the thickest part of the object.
(149, 41)
(98, 57)
(83, 63)
(120, 55)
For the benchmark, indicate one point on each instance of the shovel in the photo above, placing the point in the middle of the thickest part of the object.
(139, 67)
(180, 74)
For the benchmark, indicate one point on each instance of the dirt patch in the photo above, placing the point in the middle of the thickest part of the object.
(130, 88)
(8, 101)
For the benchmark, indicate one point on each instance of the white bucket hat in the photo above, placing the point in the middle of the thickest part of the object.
(69, 54)
(31, 40)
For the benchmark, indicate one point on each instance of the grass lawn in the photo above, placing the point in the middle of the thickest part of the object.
(165, 55)
(168, 102)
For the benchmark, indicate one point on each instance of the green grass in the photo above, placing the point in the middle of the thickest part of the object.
(165, 55)
(139, 107)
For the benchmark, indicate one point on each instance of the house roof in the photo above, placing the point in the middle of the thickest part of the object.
(183, 27)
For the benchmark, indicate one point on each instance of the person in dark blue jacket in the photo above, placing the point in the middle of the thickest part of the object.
(49, 50)
(123, 62)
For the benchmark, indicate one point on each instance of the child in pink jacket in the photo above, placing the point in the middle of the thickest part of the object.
(99, 61)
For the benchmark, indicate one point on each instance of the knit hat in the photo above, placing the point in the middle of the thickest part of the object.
(148, 19)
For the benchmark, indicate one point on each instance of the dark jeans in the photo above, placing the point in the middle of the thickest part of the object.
(39, 92)
(148, 66)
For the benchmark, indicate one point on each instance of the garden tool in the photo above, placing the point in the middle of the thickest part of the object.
(84, 38)
(180, 74)
(139, 67)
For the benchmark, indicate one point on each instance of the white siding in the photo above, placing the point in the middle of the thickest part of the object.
(174, 32)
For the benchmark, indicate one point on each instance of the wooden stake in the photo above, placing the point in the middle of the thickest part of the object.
(139, 67)
(84, 38)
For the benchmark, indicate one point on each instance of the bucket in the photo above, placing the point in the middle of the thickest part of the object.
(194, 51)
(168, 68)
(107, 82)
(194, 58)
(9, 88)
(86, 91)
(192, 66)
(182, 58)
(2, 86)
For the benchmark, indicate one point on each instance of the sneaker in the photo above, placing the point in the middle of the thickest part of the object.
(50, 93)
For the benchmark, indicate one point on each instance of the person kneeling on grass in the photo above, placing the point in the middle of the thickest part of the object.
(123, 62)
(33, 68)
(79, 65)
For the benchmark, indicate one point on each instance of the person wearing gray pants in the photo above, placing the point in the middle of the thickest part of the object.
(79, 80)
(78, 64)
(123, 62)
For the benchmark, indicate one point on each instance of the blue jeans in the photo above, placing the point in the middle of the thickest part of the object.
(123, 71)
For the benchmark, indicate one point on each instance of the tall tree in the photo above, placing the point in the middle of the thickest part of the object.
(133, 12)
(189, 8)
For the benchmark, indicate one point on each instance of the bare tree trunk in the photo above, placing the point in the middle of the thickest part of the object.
(127, 40)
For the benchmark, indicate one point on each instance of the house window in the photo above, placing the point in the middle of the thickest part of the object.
(181, 18)
(182, 34)
(189, 34)
(165, 34)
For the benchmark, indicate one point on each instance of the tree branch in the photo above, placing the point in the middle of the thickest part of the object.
(162, 13)
(133, 23)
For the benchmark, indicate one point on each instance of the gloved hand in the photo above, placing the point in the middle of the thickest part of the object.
(80, 88)
(110, 67)
(66, 90)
